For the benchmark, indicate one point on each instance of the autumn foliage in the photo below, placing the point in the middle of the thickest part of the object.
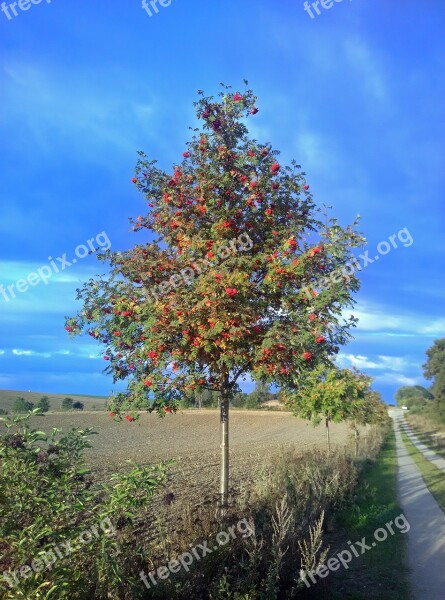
(245, 230)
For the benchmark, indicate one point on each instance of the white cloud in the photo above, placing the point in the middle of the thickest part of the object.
(397, 379)
(377, 318)
(393, 363)
(18, 352)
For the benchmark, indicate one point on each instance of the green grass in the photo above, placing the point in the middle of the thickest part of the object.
(382, 571)
(434, 478)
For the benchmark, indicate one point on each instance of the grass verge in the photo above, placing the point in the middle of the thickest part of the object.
(371, 574)
(434, 478)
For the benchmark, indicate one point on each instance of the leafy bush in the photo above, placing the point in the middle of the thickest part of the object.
(67, 404)
(43, 404)
(78, 405)
(49, 503)
(20, 405)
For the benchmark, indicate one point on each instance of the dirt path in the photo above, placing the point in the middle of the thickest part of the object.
(437, 460)
(426, 537)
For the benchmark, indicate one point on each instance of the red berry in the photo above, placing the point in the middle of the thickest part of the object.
(231, 292)
(307, 355)
(275, 168)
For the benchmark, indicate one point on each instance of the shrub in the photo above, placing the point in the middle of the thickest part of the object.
(21, 405)
(78, 405)
(67, 404)
(43, 404)
(49, 501)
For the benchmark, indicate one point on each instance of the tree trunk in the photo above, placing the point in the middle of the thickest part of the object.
(328, 438)
(224, 423)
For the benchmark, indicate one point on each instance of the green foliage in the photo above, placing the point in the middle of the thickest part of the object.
(48, 498)
(406, 392)
(439, 394)
(67, 404)
(265, 285)
(78, 405)
(434, 368)
(435, 359)
(415, 402)
(239, 400)
(331, 394)
(43, 404)
(338, 395)
(20, 405)
(3, 411)
(260, 394)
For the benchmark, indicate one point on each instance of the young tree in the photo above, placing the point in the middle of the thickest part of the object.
(43, 404)
(243, 276)
(67, 404)
(367, 408)
(331, 395)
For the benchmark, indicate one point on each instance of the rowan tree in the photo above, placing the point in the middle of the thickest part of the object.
(366, 408)
(229, 285)
(332, 395)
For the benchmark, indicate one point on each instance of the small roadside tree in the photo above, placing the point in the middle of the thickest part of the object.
(367, 408)
(245, 276)
(331, 395)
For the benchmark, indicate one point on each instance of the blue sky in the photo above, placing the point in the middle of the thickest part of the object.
(354, 94)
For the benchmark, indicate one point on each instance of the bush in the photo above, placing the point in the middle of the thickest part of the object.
(67, 404)
(20, 405)
(78, 405)
(49, 503)
(43, 404)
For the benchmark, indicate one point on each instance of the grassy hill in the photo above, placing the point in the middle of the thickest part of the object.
(7, 398)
